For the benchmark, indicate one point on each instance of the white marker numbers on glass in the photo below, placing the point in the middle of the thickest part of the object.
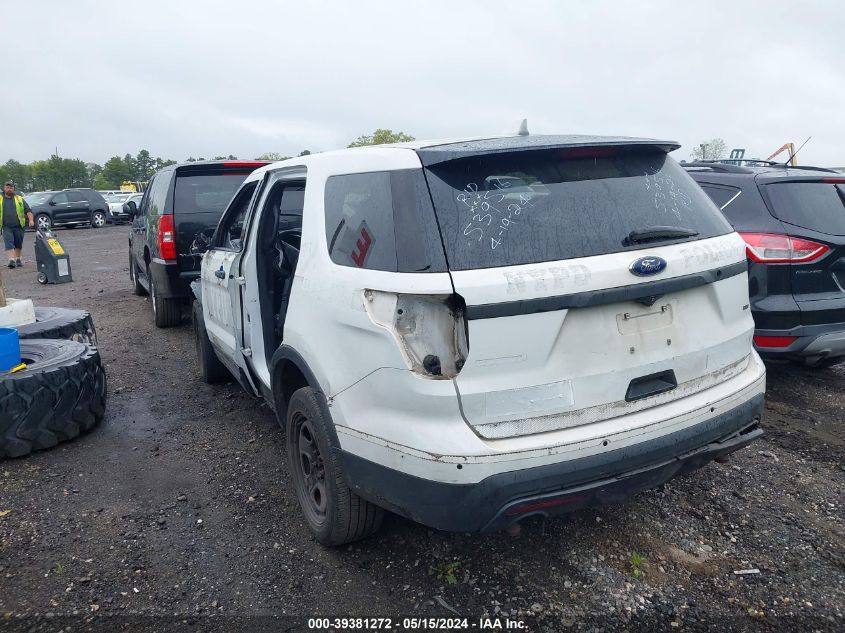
(492, 211)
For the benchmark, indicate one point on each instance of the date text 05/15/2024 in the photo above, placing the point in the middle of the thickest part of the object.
(416, 624)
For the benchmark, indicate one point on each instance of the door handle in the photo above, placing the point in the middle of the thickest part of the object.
(220, 274)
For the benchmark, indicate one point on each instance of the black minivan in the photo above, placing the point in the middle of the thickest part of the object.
(68, 207)
(180, 202)
(793, 222)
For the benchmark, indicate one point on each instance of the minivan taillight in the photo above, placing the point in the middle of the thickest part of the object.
(769, 248)
(430, 330)
(166, 238)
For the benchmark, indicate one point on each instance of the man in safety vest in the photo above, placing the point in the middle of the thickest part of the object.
(16, 213)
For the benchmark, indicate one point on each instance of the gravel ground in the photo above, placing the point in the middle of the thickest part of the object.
(177, 513)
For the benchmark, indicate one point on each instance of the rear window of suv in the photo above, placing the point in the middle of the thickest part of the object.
(528, 207)
(817, 206)
(205, 193)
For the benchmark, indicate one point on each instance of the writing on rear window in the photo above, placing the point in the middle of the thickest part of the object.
(668, 197)
(523, 207)
(494, 209)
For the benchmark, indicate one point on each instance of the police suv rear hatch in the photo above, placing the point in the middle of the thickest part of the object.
(599, 280)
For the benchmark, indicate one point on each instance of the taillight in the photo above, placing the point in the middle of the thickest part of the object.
(430, 330)
(774, 341)
(166, 238)
(769, 248)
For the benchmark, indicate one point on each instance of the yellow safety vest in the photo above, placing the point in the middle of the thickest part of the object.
(19, 209)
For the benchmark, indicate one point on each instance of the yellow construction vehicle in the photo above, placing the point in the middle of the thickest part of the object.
(132, 187)
(786, 147)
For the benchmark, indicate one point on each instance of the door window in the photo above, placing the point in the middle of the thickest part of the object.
(75, 196)
(144, 202)
(158, 195)
(230, 234)
(60, 198)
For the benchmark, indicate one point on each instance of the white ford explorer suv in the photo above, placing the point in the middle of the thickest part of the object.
(469, 333)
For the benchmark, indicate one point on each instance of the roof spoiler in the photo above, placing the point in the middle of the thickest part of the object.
(454, 151)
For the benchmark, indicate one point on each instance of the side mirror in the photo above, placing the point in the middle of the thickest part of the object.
(52, 203)
(130, 209)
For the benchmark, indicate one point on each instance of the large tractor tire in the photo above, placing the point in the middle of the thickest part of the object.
(73, 325)
(60, 394)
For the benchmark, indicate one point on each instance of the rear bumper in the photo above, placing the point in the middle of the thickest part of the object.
(170, 282)
(813, 342)
(504, 498)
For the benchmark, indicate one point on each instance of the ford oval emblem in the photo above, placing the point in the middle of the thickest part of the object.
(645, 266)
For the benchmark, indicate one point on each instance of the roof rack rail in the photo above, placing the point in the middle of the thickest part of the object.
(730, 168)
(807, 167)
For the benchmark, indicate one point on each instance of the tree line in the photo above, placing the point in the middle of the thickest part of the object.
(63, 173)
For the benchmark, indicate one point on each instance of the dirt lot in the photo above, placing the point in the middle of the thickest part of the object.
(177, 513)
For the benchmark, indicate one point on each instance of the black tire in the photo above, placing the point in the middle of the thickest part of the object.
(43, 222)
(137, 288)
(73, 325)
(98, 220)
(334, 513)
(42, 278)
(167, 312)
(60, 394)
(211, 369)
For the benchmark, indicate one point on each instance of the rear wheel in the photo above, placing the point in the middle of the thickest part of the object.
(167, 311)
(43, 222)
(98, 219)
(211, 369)
(137, 288)
(334, 513)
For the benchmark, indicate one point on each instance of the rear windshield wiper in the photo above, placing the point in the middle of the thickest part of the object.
(656, 233)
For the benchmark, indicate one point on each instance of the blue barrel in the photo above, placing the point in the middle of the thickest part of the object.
(10, 348)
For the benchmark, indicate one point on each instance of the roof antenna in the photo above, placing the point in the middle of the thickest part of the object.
(523, 128)
(787, 161)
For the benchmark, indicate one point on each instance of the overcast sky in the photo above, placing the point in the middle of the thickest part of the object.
(203, 78)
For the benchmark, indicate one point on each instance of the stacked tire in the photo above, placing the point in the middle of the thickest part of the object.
(62, 391)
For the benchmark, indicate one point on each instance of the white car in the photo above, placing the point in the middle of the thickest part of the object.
(469, 333)
(116, 204)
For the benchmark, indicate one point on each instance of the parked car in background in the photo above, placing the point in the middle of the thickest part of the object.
(793, 222)
(180, 202)
(69, 207)
(481, 331)
(117, 203)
